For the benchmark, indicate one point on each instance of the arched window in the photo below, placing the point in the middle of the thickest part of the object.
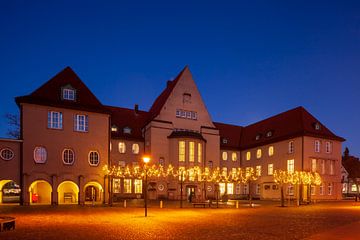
(122, 147)
(40, 155)
(68, 156)
(225, 156)
(271, 150)
(135, 148)
(234, 156)
(7, 154)
(248, 156)
(94, 158)
(258, 153)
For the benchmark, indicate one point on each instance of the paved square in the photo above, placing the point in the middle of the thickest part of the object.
(329, 220)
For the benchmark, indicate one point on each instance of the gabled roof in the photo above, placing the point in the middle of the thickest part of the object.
(230, 135)
(49, 94)
(161, 99)
(352, 166)
(292, 123)
(125, 117)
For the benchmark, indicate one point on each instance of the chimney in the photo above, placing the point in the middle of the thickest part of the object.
(136, 108)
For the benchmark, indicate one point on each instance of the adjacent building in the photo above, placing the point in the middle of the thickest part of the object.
(68, 136)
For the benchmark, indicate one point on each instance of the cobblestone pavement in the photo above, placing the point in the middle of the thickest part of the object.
(265, 221)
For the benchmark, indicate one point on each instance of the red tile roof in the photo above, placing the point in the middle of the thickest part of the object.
(49, 94)
(230, 135)
(352, 166)
(125, 117)
(161, 99)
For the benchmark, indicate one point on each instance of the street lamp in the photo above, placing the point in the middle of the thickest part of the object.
(146, 160)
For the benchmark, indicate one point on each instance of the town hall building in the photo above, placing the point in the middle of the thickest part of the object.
(68, 136)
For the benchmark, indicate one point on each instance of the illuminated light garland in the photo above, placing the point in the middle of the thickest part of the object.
(297, 177)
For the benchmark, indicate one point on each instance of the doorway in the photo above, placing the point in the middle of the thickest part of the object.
(190, 193)
(91, 193)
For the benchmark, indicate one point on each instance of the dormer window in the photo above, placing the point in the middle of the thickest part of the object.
(114, 128)
(317, 126)
(224, 141)
(127, 130)
(68, 94)
(258, 136)
(269, 134)
(186, 98)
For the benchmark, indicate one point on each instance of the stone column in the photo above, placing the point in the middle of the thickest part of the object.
(54, 193)
(81, 196)
(25, 190)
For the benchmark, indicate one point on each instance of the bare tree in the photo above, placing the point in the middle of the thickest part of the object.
(13, 121)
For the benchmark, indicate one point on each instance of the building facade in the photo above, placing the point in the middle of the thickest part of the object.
(68, 136)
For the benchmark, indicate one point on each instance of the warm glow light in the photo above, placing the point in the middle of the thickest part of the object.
(146, 159)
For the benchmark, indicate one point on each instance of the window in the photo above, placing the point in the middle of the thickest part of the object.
(290, 166)
(317, 146)
(313, 165)
(122, 163)
(246, 188)
(271, 151)
(224, 141)
(257, 137)
(291, 190)
(127, 185)
(68, 156)
(135, 148)
(188, 114)
(40, 155)
(122, 147)
(353, 188)
(248, 156)
(94, 158)
(330, 189)
(328, 147)
(269, 134)
(258, 170)
(224, 156)
(321, 189)
(258, 153)
(162, 161)
(238, 189)
(68, 94)
(199, 152)
(114, 128)
(181, 173)
(55, 120)
(317, 126)
(322, 166)
(270, 169)
(138, 185)
(186, 98)
(181, 151)
(6, 154)
(222, 188)
(191, 151)
(312, 190)
(257, 191)
(116, 185)
(230, 188)
(332, 167)
(180, 113)
(224, 171)
(234, 156)
(291, 147)
(127, 130)
(194, 115)
(81, 123)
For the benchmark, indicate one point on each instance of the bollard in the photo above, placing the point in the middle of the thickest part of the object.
(161, 204)
(125, 203)
(237, 204)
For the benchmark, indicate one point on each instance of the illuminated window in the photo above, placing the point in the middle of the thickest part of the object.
(7, 154)
(127, 185)
(116, 185)
(317, 126)
(248, 155)
(135, 148)
(224, 171)
(291, 147)
(269, 134)
(322, 166)
(321, 189)
(181, 173)
(312, 190)
(290, 166)
(353, 188)
(230, 188)
(330, 189)
(271, 151)
(68, 156)
(199, 152)
(270, 169)
(317, 146)
(81, 123)
(55, 120)
(258, 170)
(138, 185)
(40, 155)
(122, 147)
(94, 158)
(224, 156)
(191, 151)
(257, 137)
(313, 165)
(258, 153)
(332, 167)
(328, 147)
(68, 94)
(114, 128)
(234, 156)
(181, 151)
(222, 188)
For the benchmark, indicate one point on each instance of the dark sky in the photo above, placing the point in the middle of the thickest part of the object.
(250, 59)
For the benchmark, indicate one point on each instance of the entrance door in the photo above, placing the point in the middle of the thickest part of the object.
(190, 193)
(90, 193)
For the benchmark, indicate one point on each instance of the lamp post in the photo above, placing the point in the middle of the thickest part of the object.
(146, 160)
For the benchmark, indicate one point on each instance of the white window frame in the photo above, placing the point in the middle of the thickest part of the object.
(55, 120)
(6, 157)
(328, 147)
(116, 185)
(68, 94)
(81, 123)
(138, 186)
(91, 158)
(258, 170)
(127, 185)
(230, 188)
(317, 146)
(40, 155)
(66, 153)
(291, 147)
(291, 165)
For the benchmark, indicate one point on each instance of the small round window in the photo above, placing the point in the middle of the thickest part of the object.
(68, 156)
(40, 155)
(7, 154)
(94, 158)
(161, 187)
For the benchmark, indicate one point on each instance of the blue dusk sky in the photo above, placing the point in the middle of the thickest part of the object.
(250, 59)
